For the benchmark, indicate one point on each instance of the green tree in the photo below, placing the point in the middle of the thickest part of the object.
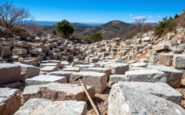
(65, 28)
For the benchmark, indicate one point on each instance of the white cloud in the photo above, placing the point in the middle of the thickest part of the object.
(139, 17)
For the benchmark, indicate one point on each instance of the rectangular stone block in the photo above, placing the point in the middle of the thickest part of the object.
(19, 51)
(9, 73)
(166, 59)
(94, 79)
(179, 61)
(45, 79)
(173, 75)
(146, 76)
(117, 68)
(10, 101)
(159, 89)
(29, 70)
(124, 100)
(57, 92)
(46, 107)
(115, 78)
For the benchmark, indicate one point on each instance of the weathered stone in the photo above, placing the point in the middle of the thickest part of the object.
(95, 79)
(9, 73)
(99, 69)
(57, 92)
(49, 69)
(117, 68)
(29, 61)
(159, 89)
(6, 51)
(38, 107)
(174, 76)
(45, 79)
(127, 101)
(140, 64)
(19, 51)
(66, 74)
(162, 47)
(82, 66)
(10, 101)
(64, 63)
(146, 76)
(29, 70)
(179, 61)
(166, 59)
(116, 78)
(71, 68)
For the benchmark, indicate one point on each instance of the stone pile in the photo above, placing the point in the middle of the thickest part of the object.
(45, 71)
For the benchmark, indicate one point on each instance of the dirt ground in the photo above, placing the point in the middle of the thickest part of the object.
(101, 101)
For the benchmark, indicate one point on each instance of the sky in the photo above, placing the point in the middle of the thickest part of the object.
(100, 11)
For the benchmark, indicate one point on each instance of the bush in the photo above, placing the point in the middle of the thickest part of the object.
(164, 26)
(96, 37)
(65, 28)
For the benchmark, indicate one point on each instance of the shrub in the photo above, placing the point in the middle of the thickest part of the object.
(65, 28)
(96, 37)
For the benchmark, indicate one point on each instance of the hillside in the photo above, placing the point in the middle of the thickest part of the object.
(109, 30)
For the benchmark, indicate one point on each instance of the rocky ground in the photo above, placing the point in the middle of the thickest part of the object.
(138, 76)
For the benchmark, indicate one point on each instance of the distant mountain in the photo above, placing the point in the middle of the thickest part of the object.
(108, 30)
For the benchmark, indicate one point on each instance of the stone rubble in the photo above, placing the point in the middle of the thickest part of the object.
(141, 73)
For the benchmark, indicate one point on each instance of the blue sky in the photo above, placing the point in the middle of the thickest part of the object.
(100, 10)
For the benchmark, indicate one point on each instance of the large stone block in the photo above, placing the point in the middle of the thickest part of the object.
(116, 78)
(99, 69)
(174, 76)
(57, 92)
(117, 68)
(49, 69)
(19, 51)
(128, 101)
(166, 59)
(10, 101)
(29, 70)
(46, 107)
(66, 74)
(45, 79)
(159, 89)
(95, 79)
(9, 73)
(146, 76)
(179, 61)
(29, 61)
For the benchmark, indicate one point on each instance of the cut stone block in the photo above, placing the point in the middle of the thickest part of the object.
(49, 64)
(159, 89)
(166, 59)
(117, 68)
(127, 101)
(140, 64)
(99, 69)
(45, 79)
(46, 107)
(66, 74)
(29, 61)
(179, 61)
(82, 66)
(162, 47)
(95, 79)
(116, 78)
(64, 63)
(19, 51)
(29, 70)
(57, 92)
(49, 69)
(146, 76)
(9, 73)
(10, 101)
(71, 68)
(174, 76)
